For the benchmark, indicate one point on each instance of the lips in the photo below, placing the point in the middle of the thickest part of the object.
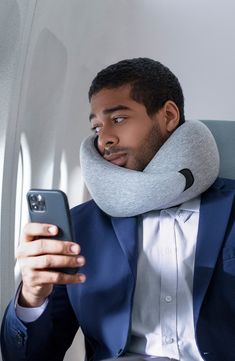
(117, 159)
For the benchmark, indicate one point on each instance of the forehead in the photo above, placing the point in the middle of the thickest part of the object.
(107, 98)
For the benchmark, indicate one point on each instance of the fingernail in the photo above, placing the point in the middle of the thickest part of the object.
(52, 229)
(74, 248)
(80, 261)
(82, 278)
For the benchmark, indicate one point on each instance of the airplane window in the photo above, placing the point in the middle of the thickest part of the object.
(18, 208)
(63, 173)
(19, 190)
(23, 185)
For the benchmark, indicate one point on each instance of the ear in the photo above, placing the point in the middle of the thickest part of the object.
(171, 115)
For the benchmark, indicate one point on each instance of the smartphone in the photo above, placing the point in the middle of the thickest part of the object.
(51, 206)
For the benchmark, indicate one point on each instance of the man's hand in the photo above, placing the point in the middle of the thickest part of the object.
(38, 256)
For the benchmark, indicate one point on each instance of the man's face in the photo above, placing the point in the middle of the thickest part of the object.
(127, 135)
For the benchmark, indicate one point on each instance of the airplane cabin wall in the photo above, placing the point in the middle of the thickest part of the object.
(50, 50)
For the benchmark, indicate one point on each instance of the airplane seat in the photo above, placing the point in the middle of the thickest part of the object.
(224, 133)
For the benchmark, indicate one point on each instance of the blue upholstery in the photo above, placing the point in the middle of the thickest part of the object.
(224, 133)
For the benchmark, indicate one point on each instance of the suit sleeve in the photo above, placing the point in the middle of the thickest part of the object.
(47, 338)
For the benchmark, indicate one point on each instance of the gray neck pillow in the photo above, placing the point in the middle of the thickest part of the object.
(185, 166)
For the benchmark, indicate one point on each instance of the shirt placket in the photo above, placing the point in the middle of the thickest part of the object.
(168, 287)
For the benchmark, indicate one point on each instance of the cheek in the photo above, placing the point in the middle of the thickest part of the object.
(135, 138)
(98, 147)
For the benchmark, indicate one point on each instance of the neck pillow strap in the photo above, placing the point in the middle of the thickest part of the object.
(185, 166)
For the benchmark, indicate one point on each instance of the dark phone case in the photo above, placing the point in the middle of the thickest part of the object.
(56, 212)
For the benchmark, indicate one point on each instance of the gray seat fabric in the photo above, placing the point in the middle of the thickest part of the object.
(224, 133)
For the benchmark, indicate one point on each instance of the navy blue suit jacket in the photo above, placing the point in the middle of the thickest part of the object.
(102, 306)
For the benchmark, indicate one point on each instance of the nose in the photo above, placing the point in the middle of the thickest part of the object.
(106, 139)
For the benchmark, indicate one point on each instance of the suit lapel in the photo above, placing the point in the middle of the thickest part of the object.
(214, 215)
(126, 230)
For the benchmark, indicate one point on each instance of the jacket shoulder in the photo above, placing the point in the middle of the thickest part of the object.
(87, 211)
(224, 184)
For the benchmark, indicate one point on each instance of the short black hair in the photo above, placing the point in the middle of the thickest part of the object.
(152, 83)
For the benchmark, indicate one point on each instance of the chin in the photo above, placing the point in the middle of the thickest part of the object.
(134, 167)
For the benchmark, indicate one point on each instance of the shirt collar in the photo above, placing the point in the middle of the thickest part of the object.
(185, 210)
(192, 205)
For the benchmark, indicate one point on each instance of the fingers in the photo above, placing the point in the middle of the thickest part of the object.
(41, 279)
(47, 246)
(33, 244)
(47, 261)
(33, 230)
(40, 257)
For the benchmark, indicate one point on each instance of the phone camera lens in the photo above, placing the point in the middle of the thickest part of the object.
(37, 203)
(41, 206)
(33, 198)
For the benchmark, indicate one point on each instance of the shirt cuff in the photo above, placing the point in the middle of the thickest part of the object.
(28, 314)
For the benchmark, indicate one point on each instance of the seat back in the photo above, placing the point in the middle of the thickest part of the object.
(224, 133)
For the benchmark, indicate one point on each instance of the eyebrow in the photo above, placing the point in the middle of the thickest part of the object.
(110, 110)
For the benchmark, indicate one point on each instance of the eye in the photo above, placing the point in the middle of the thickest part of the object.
(118, 119)
(96, 129)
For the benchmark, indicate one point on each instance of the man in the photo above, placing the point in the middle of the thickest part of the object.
(157, 270)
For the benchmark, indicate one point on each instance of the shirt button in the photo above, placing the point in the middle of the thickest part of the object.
(19, 338)
(168, 298)
(169, 340)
